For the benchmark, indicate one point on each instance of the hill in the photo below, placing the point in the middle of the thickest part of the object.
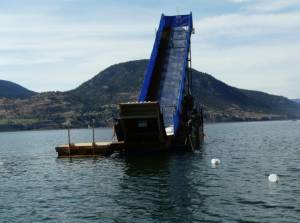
(296, 100)
(225, 103)
(118, 83)
(12, 90)
(122, 82)
(98, 98)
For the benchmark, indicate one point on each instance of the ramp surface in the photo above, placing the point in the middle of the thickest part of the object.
(165, 77)
(171, 74)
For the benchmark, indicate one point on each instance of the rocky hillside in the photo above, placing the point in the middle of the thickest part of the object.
(118, 83)
(98, 98)
(225, 103)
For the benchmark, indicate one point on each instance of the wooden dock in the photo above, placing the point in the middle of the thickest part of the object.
(88, 149)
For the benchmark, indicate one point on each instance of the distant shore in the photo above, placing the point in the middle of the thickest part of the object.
(19, 128)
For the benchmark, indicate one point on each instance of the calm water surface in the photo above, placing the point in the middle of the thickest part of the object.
(35, 186)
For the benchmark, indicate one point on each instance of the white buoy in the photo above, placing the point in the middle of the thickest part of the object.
(114, 155)
(273, 178)
(215, 161)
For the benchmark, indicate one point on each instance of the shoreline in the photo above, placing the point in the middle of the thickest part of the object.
(110, 127)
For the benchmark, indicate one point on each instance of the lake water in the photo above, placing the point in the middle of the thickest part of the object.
(35, 186)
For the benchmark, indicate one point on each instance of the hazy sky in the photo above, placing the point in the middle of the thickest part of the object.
(58, 44)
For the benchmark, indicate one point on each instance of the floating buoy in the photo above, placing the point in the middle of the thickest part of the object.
(114, 155)
(215, 161)
(273, 178)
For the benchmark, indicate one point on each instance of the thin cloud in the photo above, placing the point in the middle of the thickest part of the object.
(273, 6)
(241, 28)
(267, 5)
(257, 50)
(247, 43)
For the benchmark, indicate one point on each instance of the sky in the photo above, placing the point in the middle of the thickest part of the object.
(55, 45)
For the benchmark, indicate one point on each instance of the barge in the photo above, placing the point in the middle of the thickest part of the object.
(165, 117)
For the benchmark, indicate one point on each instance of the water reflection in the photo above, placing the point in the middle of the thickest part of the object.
(36, 186)
(160, 188)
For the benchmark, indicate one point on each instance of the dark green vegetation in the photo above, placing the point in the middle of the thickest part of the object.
(98, 98)
(225, 103)
(11, 90)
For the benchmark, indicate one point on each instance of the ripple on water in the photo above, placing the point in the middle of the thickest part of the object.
(37, 187)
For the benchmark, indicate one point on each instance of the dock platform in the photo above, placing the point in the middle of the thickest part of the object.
(88, 149)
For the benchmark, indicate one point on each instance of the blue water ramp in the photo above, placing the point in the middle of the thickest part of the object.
(166, 75)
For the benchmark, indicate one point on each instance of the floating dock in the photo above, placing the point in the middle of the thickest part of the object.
(88, 149)
(165, 117)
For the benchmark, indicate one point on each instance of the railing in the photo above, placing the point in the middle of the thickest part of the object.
(183, 78)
